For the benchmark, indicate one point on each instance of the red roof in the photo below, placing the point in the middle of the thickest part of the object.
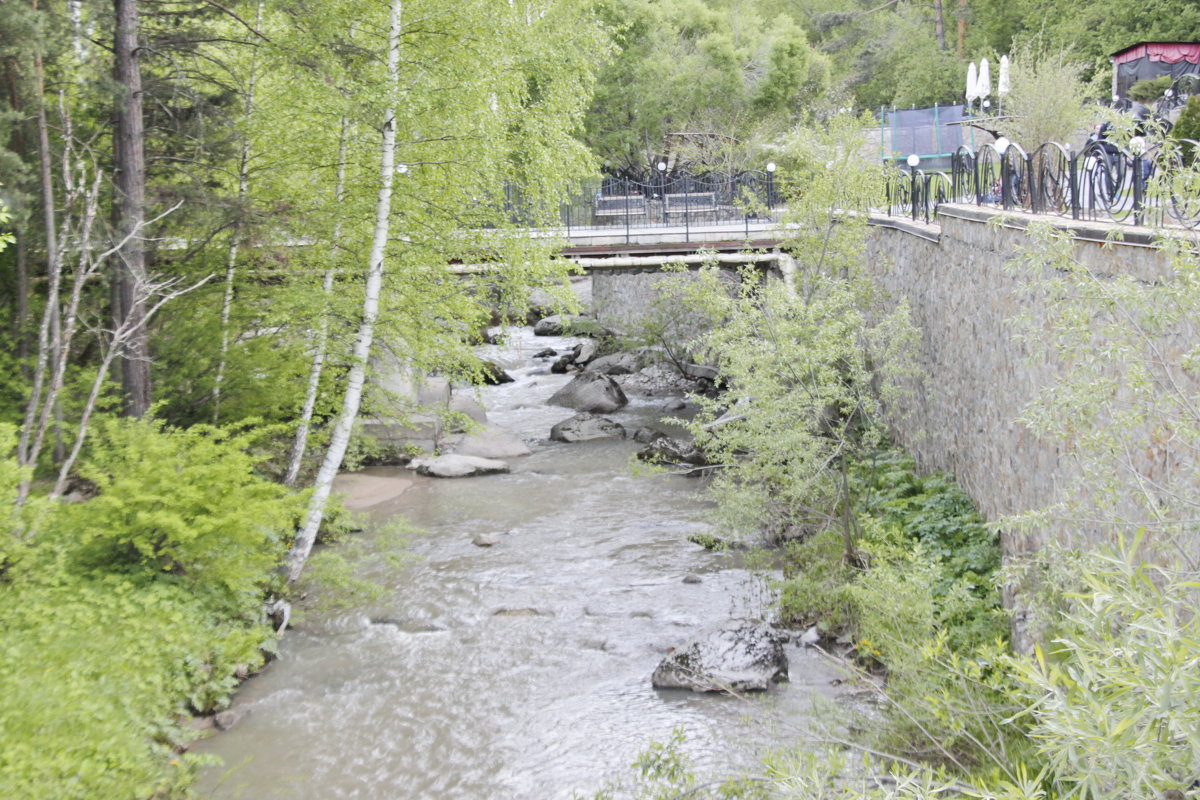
(1168, 52)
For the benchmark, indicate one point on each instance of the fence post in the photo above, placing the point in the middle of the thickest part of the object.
(1031, 182)
(687, 223)
(1073, 166)
(1005, 189)
(1139, 189)
(913, 197)
(625, 192)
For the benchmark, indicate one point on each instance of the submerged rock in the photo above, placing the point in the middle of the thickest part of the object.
(736, 656)
(590, 391)
(586, 427)
(458, 466)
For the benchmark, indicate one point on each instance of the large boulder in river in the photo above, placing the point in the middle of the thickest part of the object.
(590, 391)
(736, 656)
(468, 406)
(586, 427)
(458, 466)
(493, 373)
(615, 364)
(492, 441)
(553, 325)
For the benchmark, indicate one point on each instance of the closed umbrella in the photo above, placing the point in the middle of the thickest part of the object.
(984, 88)
(972, 84)
(1002, 84)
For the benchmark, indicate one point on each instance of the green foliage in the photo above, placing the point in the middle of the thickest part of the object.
(127, 610)
(1151, 89)
(184, 503)
(1046, 103)
(1188, 127)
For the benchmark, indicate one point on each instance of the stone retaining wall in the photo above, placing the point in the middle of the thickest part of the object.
(979, 377)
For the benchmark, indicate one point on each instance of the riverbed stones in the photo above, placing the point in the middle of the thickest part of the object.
(485, 540)
(665, 450)
(692, 577)
(494, 374)
(614, 364)
(591, 392)
(585, 428)
(554, 325)
(492, 441)
(458, 466)
(735, 656)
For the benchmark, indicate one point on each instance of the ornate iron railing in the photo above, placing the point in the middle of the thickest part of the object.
(1101, 182)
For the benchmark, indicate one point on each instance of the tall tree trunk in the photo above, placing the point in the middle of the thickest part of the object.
(129, 179)
(939, 24)
(962, 29)
(300, 443)
(235, 238)
(366, 329)
(22, 321)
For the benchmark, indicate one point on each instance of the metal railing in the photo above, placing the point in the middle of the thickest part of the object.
(673, 201)
(1101, 182)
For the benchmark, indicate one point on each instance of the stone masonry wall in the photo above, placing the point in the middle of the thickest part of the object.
(979, 377)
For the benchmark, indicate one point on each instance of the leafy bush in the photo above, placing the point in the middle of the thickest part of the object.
(1150, 89)
(1188, 127)
(179, 503)
(130, 609)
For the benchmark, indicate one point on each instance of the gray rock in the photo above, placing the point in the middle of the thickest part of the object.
(692, 577)
(228, 718)
(590, 391)
(561, 366)
(549, 352)
(736, 656)
(675, 404)
(586, 427)
(458, 466)
(464, 403)
(647, 435)
(554, 325)
(494, 374)
(492, 442)
(698, 371)
(615, 364)
(485, 540)
(433, 391)
(584, 352)
(810, 637)
(666, 450)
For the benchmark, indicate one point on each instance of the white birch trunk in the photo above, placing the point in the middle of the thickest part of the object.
(366, 329)
(300, 443)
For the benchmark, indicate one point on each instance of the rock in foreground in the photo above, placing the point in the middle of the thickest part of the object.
(591, 392)
(492, 442)
(736, 656)
(456, 466)
(586, 427)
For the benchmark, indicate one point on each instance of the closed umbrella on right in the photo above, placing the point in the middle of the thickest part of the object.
(972, 85)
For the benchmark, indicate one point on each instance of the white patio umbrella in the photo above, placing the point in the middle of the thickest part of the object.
(984, 87)
(972, 83)
(1002, 83)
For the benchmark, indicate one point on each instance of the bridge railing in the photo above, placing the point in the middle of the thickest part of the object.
(1143, 184)
(686, 202)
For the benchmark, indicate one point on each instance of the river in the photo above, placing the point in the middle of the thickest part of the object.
(520, 670)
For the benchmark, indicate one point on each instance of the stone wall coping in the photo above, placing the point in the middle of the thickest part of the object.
(923, 230)
(1119, 235)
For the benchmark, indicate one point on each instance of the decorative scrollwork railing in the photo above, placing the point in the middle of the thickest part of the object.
(1157, 184)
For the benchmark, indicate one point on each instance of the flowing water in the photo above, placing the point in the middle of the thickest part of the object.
(520, 670)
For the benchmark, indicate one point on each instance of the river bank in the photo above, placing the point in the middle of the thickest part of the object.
(522, 669)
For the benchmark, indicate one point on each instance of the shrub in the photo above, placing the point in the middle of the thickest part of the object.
(1150, 89)
(179, 504)
(1188, 127)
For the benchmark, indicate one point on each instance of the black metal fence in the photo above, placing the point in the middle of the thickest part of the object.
(685, 202)
(1151, 185)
